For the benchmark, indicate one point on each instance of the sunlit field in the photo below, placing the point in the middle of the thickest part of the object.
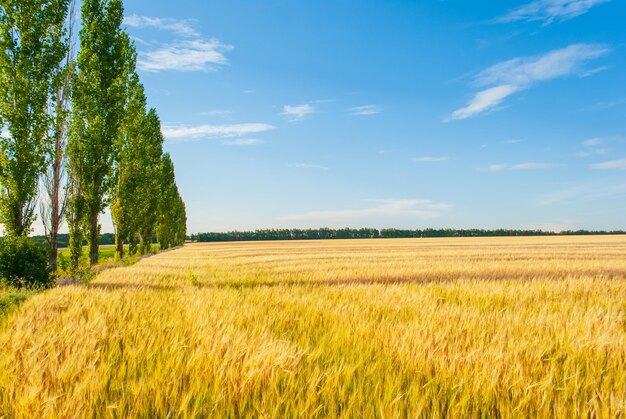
(488, 327)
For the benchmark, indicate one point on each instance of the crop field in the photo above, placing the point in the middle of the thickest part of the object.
(485, 327)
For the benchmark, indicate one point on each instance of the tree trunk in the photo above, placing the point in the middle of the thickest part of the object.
(94, 236)
(146, 242)
(76, 243)
(54, 250)
(119, 242)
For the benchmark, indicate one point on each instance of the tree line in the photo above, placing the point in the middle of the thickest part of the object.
(373, 233)
(76, 133)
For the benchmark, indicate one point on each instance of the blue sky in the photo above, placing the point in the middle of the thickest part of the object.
(407, 114)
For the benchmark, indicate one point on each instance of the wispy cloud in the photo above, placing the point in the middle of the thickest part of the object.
(241, 142)
(506, 78)
(190, 52)
(520, 166)
(509, 142)
(186, 56)
(389, 208)
(598, 141)
(365, 110)
(609, 104)
(307, 166)
(184, 27)
(199, 132)
(610, 165)
(298, 112)
(217, 112)
(554, 227)
(587, 191)
(483, 100)
(430, 159)
(597, 152)
(548, 11)
(599, 146)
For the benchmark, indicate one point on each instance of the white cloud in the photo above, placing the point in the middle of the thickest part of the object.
(217, 112)
(484, 100)
(307, 166)
(611, 165)
(198, 132)
(554, 227)
(497, 167)
(430, 159)
(365, 110)
(186, 56)
(549, 11)
(592, 142)
(520, 166)
(181, 27)
(506, 78)
(243, 142)
(297, 112)
(508, 142)
(587, 192)
(532, 166)
(597, 141)
(392, 208)
(524, 71)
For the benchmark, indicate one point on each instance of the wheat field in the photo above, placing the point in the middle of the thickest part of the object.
(483, 327)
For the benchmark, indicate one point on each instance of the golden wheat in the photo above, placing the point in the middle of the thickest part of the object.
(515, 327)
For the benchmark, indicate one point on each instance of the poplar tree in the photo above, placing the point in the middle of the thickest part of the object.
(98, 97)
(53, 207)
(152, 150)
(172, 219)
(126, 190)
(31, 49)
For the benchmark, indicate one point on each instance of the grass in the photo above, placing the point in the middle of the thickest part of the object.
(10, 298)
(522, 327)
(105, 252)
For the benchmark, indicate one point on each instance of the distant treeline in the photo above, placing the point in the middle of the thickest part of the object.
(373, 233)
(63, 240)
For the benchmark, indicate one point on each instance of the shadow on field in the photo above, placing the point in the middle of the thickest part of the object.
(418, 279)
(131, 286)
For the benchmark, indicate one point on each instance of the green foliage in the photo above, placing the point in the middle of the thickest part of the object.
(193, 279)
(98, 98)
(10, 299)
(136, 187)
(24, 264)
(31, 36)
(172, 221)
(148, 207)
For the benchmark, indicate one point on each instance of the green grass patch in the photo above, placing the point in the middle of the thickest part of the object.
(10, 299)
(105, 252)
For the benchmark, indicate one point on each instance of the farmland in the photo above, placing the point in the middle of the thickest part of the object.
(355, 328)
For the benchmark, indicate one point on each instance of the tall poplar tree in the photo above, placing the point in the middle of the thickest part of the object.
(127, 187)
(54, 180)
(152, 150)
(98, 98)
(31, 49)
(167, 209)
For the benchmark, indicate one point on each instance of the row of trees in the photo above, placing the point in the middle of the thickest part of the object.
(75, 122)
(372, 233)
